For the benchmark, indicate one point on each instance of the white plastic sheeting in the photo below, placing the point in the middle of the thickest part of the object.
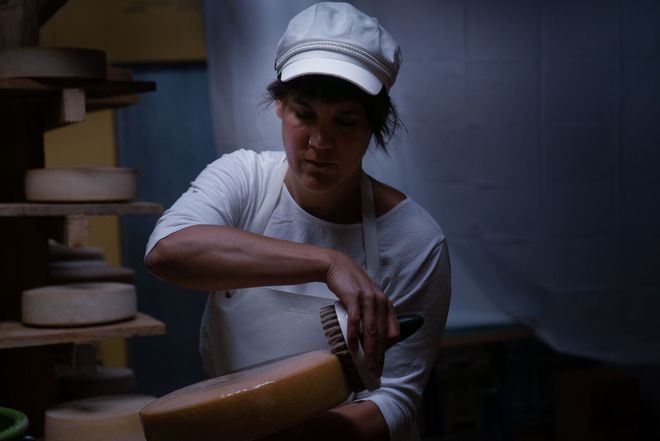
(533, 137)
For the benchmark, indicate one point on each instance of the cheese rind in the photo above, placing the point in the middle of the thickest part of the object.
(58, 252)
(78, 304)
(80, 184)
(77, 271)
(105, 381)
(103, 418)
(251, 403)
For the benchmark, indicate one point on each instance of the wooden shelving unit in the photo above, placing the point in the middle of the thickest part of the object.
(26, 209)
(16, 335)
(29, 107)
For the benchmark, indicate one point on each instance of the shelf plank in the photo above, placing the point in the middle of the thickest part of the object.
(93, 88)
(16, 335)
(65, 209)
(476, 335)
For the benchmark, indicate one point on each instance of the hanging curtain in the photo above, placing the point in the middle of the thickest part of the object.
(532, 138)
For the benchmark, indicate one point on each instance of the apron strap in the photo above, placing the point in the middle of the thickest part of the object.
(369, 233)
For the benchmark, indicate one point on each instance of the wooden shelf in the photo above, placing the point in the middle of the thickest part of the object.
(93, 88)
(64, 209)
(475, 335)
(16, 335)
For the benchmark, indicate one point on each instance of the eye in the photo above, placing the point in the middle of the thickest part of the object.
(347, 122)
(304, 115)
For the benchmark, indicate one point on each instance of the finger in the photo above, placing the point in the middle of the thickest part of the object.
(383, 328)
(393, 329)
(353, 326)
(370, 333)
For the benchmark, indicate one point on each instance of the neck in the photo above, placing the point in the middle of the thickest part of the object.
(341, 204)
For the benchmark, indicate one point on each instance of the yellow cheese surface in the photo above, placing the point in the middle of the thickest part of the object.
(250, 403)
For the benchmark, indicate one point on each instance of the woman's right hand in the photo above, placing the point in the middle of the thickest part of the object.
(366, 305)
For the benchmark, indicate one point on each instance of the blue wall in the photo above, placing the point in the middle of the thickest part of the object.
(167, 138)
(556, 99)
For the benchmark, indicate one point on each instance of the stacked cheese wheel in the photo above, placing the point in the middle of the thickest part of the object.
(80, 184)
(103, 418)
(83, 291)
(78, 304)
(105, 381)
(249, 404)
(88, 271)
(83, 264)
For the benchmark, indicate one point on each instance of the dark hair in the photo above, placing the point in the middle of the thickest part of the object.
(381, 113)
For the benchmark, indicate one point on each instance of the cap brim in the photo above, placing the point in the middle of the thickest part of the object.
(353, 73)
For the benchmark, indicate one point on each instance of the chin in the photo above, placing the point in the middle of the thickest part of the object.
(318, 182)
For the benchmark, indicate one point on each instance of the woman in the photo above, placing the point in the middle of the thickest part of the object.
(275, 235)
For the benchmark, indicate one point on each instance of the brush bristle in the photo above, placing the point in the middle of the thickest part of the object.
(338, 347)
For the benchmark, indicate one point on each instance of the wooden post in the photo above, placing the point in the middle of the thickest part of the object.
(20, 22)
(27, 378)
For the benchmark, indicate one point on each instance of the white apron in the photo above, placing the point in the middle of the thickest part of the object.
(251, 326)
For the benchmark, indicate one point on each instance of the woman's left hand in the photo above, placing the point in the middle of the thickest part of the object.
(365, 304)
(356, 421)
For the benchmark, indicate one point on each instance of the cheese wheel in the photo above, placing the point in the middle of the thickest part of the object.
(80, 184)
(249, 404)
(104, 418)
(105, 381)
(82, 263)
(78, 304)
(76, 272)
(58, 252)
(52, 62)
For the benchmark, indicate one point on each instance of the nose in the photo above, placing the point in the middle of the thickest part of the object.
(320, 140)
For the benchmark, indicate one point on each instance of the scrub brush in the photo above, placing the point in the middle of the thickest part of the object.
(334, 320)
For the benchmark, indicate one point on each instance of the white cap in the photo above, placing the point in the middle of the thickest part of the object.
(337, 39)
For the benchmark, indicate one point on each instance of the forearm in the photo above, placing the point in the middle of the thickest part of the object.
(208, 257)
(357, 421)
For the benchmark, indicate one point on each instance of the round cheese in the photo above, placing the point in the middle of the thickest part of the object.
(78, 304)
(52, 62)
(58, 252)
(105, 381)
(104, 418)
(251, 403)
(86, 271)
(76, 264)
(80, 184)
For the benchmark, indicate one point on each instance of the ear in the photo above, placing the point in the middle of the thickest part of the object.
(279, 108)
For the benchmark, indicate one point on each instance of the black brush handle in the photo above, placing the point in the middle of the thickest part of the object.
(408, 325)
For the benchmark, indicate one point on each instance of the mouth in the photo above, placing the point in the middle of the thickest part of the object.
(319, 164)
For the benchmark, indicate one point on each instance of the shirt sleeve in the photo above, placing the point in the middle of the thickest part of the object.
(216, 197)
(408, 363)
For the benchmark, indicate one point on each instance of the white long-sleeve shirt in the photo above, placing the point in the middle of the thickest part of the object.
(414, 263)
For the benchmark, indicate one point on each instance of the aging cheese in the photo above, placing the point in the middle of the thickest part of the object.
(251, 403)
(104, 418)
(105, 381)
(52, 62)
(80, 184)
(78, 304)
(79, 271)
(58, 252)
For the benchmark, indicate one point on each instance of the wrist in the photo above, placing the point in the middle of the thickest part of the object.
(326, 261)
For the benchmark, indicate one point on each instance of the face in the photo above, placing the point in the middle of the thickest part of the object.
(324, 143)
